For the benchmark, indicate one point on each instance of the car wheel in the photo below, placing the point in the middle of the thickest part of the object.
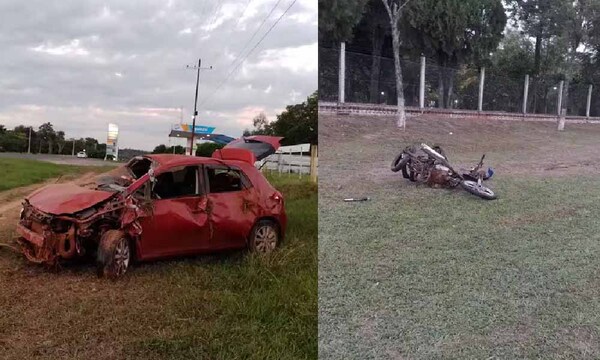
(264, 237)
(114, 254)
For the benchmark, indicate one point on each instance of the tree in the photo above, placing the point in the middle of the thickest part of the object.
(544, 21)
(47, 136)
(298, 124)
(160, 149)
(207, 148)
(60, 141)
(261, 126)
(454, 32)
(372, 32)
(393, 8)
(337, 19)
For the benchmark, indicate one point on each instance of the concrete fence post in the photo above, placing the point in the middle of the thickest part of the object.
(422, 84)
(560, 95)
(525, 93)
(589, 101)
(342, 74)
(481, 84)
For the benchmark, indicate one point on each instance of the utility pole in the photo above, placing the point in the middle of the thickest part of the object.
(73, 150)
(198, 68)
(29, 144)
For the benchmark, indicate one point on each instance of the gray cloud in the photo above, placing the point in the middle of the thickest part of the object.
(83, 64)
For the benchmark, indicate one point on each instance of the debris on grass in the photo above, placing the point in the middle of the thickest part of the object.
(357, 199)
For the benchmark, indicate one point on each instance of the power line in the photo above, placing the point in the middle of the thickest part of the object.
(248, 54)
(220, 54)
(255, 32)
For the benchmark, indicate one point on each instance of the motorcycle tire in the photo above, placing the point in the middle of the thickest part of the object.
(478, 190)
(400, 162)
(406, 172)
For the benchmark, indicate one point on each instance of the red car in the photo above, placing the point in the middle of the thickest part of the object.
(158, 206)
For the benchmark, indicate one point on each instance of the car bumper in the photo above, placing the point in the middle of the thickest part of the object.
(30, 236)
(47, 248)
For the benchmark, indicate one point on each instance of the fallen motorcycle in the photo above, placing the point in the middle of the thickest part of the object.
(430, 165)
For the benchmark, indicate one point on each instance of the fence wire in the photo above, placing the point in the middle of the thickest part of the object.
(371, 80)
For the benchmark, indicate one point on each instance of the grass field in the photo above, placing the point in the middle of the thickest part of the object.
(227, 306)
(421, 273)
(22, 172)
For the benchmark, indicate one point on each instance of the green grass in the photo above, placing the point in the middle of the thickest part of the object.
(225, 306)
(251, 308)
(22, 172)
(426, 273)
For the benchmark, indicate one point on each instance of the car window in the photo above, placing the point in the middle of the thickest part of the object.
(177, 183)
(139, 167)
(226, 180)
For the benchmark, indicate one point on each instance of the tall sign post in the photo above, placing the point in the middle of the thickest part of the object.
(112, 142)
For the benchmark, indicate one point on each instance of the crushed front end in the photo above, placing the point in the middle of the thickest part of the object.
(45, 238)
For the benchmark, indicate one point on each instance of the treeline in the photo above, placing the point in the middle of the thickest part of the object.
(46, 140)
(298, 124)
(550, 40)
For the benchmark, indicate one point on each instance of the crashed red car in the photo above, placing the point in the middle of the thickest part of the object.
(158, 206)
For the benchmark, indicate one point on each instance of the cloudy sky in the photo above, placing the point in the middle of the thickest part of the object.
(84, 64)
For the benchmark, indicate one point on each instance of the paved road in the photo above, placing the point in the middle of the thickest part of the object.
(58, 159)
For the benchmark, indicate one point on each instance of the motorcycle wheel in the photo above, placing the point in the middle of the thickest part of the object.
(406, 172)
(400, 162)
(478, 190)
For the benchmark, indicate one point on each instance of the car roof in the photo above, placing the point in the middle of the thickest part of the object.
(171, 160)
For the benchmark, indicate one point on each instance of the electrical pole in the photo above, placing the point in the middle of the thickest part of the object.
(73, 150)
(196, 101)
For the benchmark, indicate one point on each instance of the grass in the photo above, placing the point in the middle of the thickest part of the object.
(442, 274)
(225, 306)
(22, 172)
(421, 273)
(254, 308)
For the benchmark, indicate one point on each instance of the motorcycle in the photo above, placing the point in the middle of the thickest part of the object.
(430, 165)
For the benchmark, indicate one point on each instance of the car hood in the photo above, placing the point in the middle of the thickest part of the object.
(61, 199)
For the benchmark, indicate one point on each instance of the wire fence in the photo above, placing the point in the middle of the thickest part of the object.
(371, 80)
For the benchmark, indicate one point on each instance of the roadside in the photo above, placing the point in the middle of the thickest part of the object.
(58, 159)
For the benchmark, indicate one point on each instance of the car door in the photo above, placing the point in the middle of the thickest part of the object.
(178, 223)
(233, 206)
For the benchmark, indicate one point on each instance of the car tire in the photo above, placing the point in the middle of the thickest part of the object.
(114, 254)
(264, 237)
